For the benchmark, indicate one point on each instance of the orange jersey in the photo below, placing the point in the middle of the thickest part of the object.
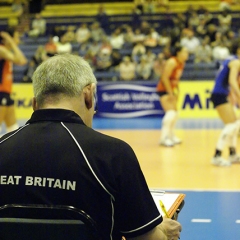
(6, 76)
(174, 76)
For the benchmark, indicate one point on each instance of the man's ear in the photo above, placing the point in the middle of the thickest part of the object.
(88, 95)
(34, 104)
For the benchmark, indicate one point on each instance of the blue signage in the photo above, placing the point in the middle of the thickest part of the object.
(128, 100)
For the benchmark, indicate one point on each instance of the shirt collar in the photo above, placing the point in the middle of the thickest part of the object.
(58, 115)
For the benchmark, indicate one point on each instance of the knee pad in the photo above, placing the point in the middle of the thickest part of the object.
(230, 129)
(12, 128)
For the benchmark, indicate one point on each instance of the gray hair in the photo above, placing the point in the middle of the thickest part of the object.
(65, 74)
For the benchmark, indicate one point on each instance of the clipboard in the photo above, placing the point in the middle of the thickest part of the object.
(173, 202)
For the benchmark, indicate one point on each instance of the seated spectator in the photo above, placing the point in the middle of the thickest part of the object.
(38, 27)
(17, 7)
(116, 39)
(208, 17)
(116, 59)
(144, 69)
(91, 59)
(190, 42)
(138, 36)
(27, 78)
(94, 47)
(50, 47)
(203, 53)
(40, 55)
(63, 46)
(158, 66)
(150, 56)
(128, 37)
(83, 35)
(220, 52)
(201, 29)
(151, 39)
(103, 61)
(193, 21)
(218, 39)
(70, 34)
(127, 69)
(97, 32)
(224, 21)
(106, 47)
(164, 38)
(138, 50)
(145, 27)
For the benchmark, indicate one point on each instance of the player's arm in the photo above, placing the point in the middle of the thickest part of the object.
(16, 55)
(234, 67)
(168, 69)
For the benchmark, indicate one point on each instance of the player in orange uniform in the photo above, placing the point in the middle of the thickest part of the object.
(167, 89)
(10, 54)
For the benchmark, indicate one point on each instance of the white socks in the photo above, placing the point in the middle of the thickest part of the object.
(168, 124)
(228, 136)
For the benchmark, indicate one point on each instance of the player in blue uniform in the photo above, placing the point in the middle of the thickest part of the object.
(226, 85)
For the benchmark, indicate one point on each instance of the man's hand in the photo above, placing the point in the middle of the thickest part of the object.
(171, 228)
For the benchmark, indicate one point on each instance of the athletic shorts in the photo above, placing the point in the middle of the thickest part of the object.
(219, 99)
(160, 94)
(5, 99)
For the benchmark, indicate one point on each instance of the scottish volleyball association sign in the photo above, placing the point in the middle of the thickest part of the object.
(121, 100)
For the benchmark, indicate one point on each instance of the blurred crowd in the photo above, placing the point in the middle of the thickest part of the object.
(138, 50)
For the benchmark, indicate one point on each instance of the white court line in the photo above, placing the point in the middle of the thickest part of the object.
(238, 221)
(201, 220)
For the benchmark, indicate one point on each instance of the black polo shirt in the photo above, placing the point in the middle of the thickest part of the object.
(56, 159)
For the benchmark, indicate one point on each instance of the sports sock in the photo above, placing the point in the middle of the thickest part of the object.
(167, 123)
(173, 124)
(218, 153)
(226, 136)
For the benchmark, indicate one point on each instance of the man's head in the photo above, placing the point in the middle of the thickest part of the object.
(65, 81)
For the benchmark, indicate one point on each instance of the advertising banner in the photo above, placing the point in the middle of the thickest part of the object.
(133, 99)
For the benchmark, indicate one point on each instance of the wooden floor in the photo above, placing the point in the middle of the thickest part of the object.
(186, 166)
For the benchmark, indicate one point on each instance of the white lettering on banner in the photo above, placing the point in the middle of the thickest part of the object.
(38, 182)
(50, 182)
(106, 97)
(133, 105)
(7, 180)
(145, 97)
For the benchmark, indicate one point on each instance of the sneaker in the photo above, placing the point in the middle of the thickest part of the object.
(167, 142)
(176, 140)
(219, 161)
(234, 158)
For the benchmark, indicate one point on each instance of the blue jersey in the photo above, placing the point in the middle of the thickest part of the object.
(221, 82)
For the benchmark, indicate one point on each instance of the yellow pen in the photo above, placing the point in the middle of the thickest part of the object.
(163, 209)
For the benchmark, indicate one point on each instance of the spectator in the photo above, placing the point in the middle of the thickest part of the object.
(218, 39)
(139, 4)
(150, 56)
(40, 55)
(193, 21)
(90, 57)
(138, 50)
(27, 78)
(70, 34)
(102, 18)
(63, 46)
(208, 17)
(83, 35)
(190, 42)
(220, 52)
(138, 36)
(151, 40)
(50, 47)
(116, 59)
(106, 46)
(164, 38)
(144, 69)
(158, 66)
(201, 29)
(128, 37)
(17, 7)
(211, 32)
(94, 47)
(117, 39)
(103, 61)
(203, 52)
(127, 69)
(224, 21)
(97, 32)
(38, 26)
